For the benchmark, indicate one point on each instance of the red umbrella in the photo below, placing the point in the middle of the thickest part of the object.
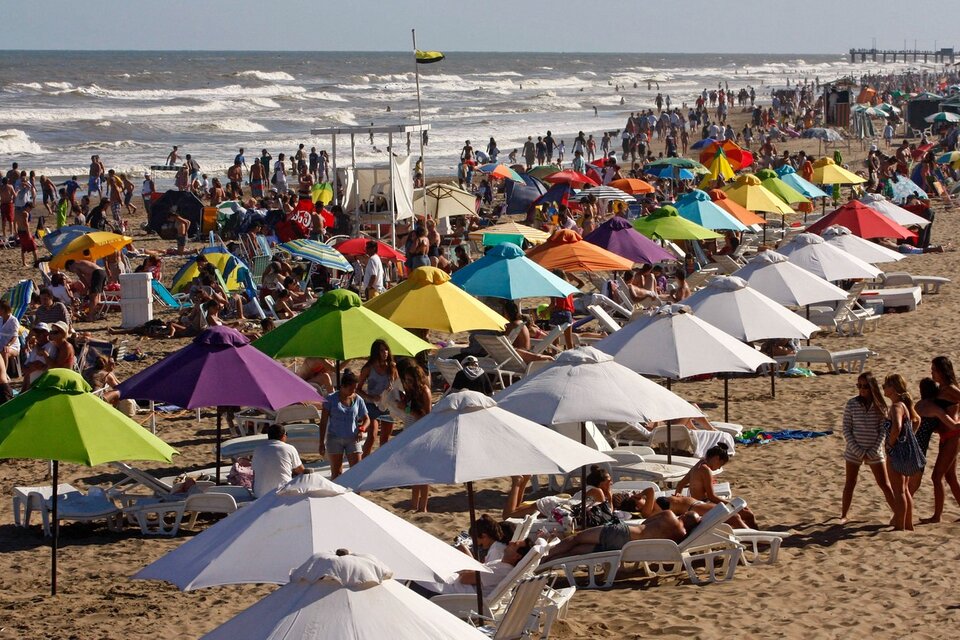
(738, 157)
(594, 173)
(358, 247)
(571, 177)
(862, 221)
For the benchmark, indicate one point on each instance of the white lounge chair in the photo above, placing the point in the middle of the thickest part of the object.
(850, 360)
(305, 437)
(928, 284)
(504, 361)
(164, 518)
(547, 341)
(448, 368)
(908, 297)
(77, 506)
(604, 319)
(26, 500)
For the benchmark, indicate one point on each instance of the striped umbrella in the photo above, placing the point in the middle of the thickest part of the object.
(317, 253)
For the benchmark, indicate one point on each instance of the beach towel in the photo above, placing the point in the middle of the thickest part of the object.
(759, 436)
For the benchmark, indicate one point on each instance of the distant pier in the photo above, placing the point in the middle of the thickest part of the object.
(941, 56)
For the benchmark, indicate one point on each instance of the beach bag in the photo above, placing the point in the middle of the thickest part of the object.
(906, 456)
(597, 514)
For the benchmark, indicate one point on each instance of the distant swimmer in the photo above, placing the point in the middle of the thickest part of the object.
(595, 114)
(173, 157)
(388, 108)
(622, 101)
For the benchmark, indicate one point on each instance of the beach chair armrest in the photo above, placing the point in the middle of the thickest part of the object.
(719, 565)
(601, 569)
(754, 542)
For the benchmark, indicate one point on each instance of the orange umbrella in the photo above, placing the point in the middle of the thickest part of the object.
(738, 157)
(567, 251)
(738, 211)
(632, 186)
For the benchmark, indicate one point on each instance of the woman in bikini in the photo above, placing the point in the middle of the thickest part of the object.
(945, 467)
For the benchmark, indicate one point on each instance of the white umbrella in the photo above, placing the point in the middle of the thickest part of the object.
(605, 192)
(675, 344)
(870, 252)
(350, 597)
(445, 200)
(895, 212)
(280, 531)
(774, 276)
(811, 252)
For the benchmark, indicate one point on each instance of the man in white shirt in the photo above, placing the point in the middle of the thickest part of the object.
(373, 272)
(275, 462)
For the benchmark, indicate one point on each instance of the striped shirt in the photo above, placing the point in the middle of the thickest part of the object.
(862, 432)
(57, 312)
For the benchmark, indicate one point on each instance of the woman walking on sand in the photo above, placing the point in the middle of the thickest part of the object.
(863, 432)
(904, 457)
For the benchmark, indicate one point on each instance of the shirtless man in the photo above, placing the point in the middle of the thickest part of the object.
(173, 157)
(49, 190)
(116, 199)
(700, 481)
(93, 278)
(258, 178)
(96, 173)
(7, 195)
(183, 227)
(235, 175)
(646, 503)
(612, 537)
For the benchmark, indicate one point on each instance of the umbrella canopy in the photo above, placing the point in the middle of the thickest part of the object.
(826, 171)
(358, 247)
(578, 386)
(719, 168)
(666, 223)
(738, 211)
(501, 171)
(606, 192)
(338, 327)
(672, 173)
(896, 213)
(633, 186)
(467, 437)
(90, 246)
(618, 236)
(812, 253)
(531, 235)
(790, 176)
(700, 144)
(821, 133)
(332, 597)
(871, 252)
(504, 272)
(737, 157)
(56, 240)
(774, 276)
(566, 250)
(772, 182)
(676, 344)
(746, 314)
(219, 368)
(570, 177)
(863, 221)
(542, 171)
(682, 163)
(902, 188)
(445, 200)
(231, 268)
(696, 206)
(428, 300)
(264, 541)
(943, 116)
(749, 192)
(951, 157)
(317, 253)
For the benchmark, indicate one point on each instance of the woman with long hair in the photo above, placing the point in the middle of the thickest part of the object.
(948, 401)
(418, 401)
(863, 433)
(378, 374)
(900, 416)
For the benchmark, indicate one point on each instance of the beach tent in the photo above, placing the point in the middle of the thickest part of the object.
(184, 203)
(521, 196)
(231, 268)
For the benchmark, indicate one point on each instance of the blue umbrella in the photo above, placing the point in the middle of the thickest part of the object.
(670, 173)
(521, 196)
(789, 175)
(820, 133)
(696, 206)
(506, 273)
(57, 240)
(700, 144)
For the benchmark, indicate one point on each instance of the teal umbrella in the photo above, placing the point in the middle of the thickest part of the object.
(789, 175)
(696, 206)
(317, 253)
(506, 273)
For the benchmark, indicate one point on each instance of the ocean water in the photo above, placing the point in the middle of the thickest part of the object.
(59, 108)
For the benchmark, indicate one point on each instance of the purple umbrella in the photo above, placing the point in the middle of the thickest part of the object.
(219, 368)
(618, 236)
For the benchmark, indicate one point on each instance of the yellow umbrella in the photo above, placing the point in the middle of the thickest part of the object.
(826, 171)
(748, 192)
(719, 168)
(90, 246)
(531, 235)
(428, 300)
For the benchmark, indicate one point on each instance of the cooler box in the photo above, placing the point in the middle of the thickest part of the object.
(135, 312)
(136, 286)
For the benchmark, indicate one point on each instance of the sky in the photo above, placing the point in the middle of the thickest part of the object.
(694, 26)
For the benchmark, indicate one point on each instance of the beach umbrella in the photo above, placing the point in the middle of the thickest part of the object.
(606, 192)
(59, 419)
(775, 185)
(671, 173)
(951, 157)
(901, 188)
(943, 116)
(355, 247)
(322, 192)
(445, 200)
(842, 238)
(736, 156)
(666, 223)
(738, 211)
(338, 327)
(675, 344)
(746, 314)
(92, 246)
(504, 272)
(863, 221)
(749, 192)
(428, 300)
(570, 177)
(618, 236)
(696, 206)
(501, 171)
(823, 134)
(633, 186)
(219, 368)
(826, 171)
(316, 252)
(56, 240)
(232, 270)
(896, 213)
(809, 190)
(344, 598)
(680, 163)
(540, 172)
(566, 250)
(531, 235)
(718, 169)
(774, 276)
(278, 532)
(700, 144)
(814, 254)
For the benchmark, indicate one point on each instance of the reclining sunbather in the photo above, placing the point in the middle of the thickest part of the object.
(612, 537)
(700, 481)
(599, 485)
(646, 504)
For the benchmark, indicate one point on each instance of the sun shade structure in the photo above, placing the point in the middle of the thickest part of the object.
(862, 221)
(811, 252)
(895, 212)
(316, 252)
(666, 223)
(606, 192)
(91, 246)
(567, 251)
(265, 541)
(718, 169)
(749, 192)
(737, 157)
(345, 598)
(505, 272)
(428, 300)
(789, 175)
(59, 419)
(501, 171)
(826, 171)
(56, 240)
(572, 178)
(679, 163)
(633, 186)
(531, 235)
(445, 200)
(233, 271)
(775, 185)
(774, 276)
(618, 236)
(871, 252)
(339, 327)
(358, 247)
(738, 211)
(696, 206)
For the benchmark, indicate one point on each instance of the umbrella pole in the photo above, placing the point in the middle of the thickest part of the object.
(808, 317)
(773, 382)
(583, 480)
(764, 228)
(56, 530)
(219, 440)
(726, 399)
(338, 374)
(153, 418)
(476, 544)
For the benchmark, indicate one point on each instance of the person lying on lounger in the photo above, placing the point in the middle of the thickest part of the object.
(612, 537)
(646, 503)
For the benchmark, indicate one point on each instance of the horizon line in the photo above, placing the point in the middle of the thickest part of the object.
(406, 51)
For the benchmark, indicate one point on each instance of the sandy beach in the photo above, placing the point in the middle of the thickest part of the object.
(831, 580)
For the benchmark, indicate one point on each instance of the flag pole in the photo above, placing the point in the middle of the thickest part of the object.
(423, 164)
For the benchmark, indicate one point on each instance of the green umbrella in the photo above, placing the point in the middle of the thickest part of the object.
(543, 170)
(779, 188)
(338, 327)
(682, 163)
(59, 419)
(666, 223)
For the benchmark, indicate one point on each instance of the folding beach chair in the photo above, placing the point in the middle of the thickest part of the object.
(167, 299)
(19, 297)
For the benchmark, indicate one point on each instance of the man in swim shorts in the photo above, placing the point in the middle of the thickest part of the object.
(7, 195)
(612, 537)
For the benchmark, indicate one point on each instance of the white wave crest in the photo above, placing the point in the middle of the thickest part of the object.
(234, 124)
(268, 76)
(325, 95)
(235, 91)
(15, 141)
